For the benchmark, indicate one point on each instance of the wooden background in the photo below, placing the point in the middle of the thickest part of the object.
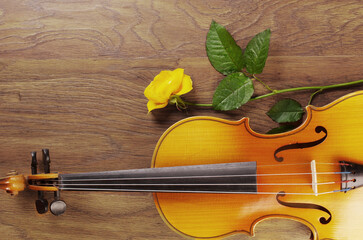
(72, 76)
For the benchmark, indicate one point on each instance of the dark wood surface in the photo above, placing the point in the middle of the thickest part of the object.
(72, 76)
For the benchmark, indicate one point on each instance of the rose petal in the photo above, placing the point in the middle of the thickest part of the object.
(164, 85)
(152, 105)
(158, 90)
(186, 86)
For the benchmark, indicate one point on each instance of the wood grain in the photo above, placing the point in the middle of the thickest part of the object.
(72, 75)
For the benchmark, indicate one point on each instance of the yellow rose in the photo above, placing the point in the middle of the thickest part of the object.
(166, 86)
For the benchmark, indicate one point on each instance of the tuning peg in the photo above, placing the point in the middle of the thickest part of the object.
(34, 164)
(57, 207)
(46, 160)
(41, 205)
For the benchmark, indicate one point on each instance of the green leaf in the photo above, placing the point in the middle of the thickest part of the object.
(281, 129)
(223, 52)
(232, 92)
(286, 110)
(256, 52)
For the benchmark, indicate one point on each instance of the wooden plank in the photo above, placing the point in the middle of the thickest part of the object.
(72, 76)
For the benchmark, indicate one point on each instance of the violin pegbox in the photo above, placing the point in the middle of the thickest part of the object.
(57, 206)
(13, 183)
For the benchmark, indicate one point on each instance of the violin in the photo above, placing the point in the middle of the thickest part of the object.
(204, 165)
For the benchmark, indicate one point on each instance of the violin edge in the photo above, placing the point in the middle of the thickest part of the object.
(250, 233)
(245, 121)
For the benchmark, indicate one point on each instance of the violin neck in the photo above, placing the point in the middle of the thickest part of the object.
(210, 178)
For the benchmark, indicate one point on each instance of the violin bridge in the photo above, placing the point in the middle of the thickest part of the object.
(314, 178)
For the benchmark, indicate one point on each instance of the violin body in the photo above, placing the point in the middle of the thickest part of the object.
(329, 135)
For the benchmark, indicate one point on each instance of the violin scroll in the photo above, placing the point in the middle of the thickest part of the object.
(13, 183)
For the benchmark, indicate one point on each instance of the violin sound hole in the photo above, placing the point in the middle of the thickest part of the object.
(318, 129)
(322, 220)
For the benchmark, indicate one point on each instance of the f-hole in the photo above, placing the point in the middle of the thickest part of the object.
(318, 129)
(322, 220)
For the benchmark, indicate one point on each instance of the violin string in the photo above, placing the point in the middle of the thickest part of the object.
(246, 175)
(209, 176)
(207, 184)
(194, 184)
(308, 163)
(91, 187)
(69, 183)
(188, 191)
(274, 165)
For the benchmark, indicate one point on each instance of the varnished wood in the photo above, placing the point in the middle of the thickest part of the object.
(43, 188)
(13, 184)
(72, 75)
(4, 183)
(42, 176)
(205, 140)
